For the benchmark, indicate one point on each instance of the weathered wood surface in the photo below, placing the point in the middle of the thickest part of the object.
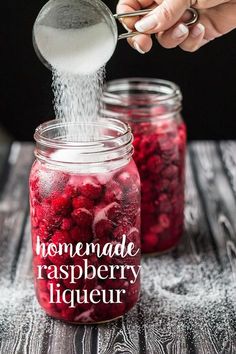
(149, 328)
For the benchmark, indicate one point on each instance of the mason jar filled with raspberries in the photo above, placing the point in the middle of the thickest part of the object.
(152, 107)
(85, 217)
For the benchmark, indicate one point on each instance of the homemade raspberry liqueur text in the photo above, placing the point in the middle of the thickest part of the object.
(85, 214)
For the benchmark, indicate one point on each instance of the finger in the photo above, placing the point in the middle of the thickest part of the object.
(207, 4)
(173, 37)
(130, 6)
(163, 16)
(218, 20)
(142, 43)
(195, 38)
(133, 5)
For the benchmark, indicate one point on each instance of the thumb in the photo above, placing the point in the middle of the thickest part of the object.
(163, 16)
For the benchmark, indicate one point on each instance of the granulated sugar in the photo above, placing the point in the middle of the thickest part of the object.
(18, 307)
(77, 51)
(77, 100)
(187, 292)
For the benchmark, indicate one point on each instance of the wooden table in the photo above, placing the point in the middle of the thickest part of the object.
(210, 231)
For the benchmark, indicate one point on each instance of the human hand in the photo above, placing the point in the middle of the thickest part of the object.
(166, 21)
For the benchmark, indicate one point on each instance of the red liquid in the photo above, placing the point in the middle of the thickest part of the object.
(71, 208)
(160, 158)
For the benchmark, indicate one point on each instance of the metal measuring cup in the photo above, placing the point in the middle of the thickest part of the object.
(77, 14)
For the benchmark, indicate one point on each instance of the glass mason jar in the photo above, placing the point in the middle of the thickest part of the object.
(152, 109)
(85, 216)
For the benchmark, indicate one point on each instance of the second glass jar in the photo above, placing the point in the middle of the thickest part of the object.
(152, 108)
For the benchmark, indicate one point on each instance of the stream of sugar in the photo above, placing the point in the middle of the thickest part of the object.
(77, 101)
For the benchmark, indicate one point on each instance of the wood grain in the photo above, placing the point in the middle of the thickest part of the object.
(219, 207)
(210, 218)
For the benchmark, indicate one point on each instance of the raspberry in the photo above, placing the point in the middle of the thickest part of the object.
(116, 284)
(53, 222)
(148, 144)
(154, 164)
(105, 218)
(105, 311)
(136, 143)
(60, 236)
(70, 191)
(125, 180)
(103, 228)
(44, 233)
(164, 221)
(59, 259)
(120, 231)
(132, 234)
(170, 172)
(52, 282)
(132, 210)
(68, 314)
(167, 149)
(148, 207)
(146, 187)
(66, 224)
(91, 188)
(42, 284)
(163, 185)
(164, 204)
(147, 191)
(147, 221)
(82, 202)
(78, 282)
(42, 212)
(167, 240)
(34, 182)
(44, 300)
(78, 260)
(113, 193)
(150, 241)
(81, 234)
(60, 205)
(113, 211)
(90, 284)
(62, 306)
(82, 217)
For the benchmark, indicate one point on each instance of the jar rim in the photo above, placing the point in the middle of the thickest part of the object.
(45, 127)
(167, 89)
(116, 143)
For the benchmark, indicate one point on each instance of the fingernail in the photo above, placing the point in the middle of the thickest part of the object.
(197, 30)
(146, 24)
(137, 47)
(180, 31)
(124, 25)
